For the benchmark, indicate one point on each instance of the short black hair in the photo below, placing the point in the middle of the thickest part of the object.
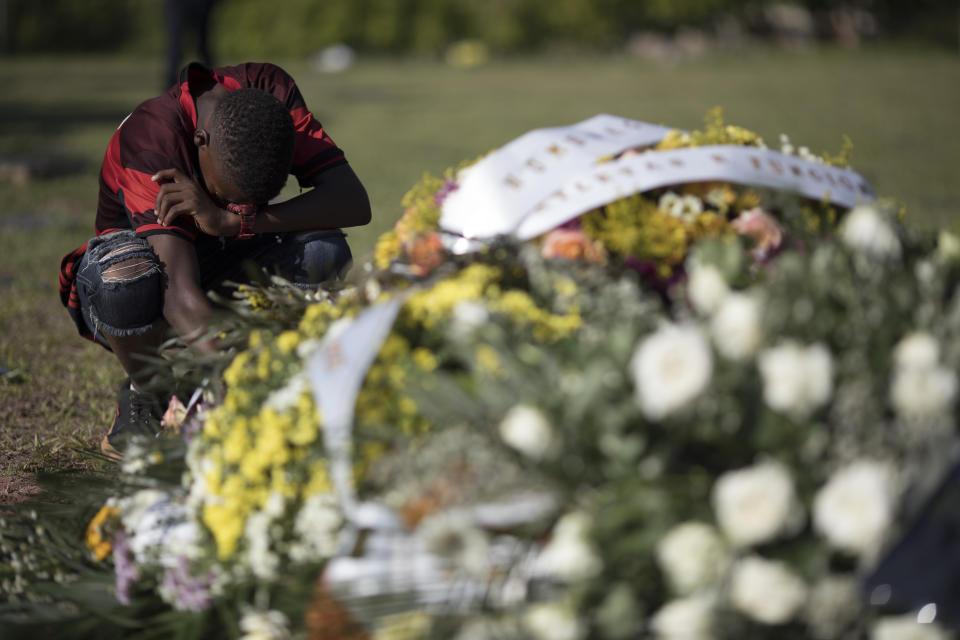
(253, 133)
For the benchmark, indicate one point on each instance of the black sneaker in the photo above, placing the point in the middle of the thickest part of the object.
(138, 413)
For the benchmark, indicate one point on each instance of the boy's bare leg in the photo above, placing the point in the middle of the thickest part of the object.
(135, 353)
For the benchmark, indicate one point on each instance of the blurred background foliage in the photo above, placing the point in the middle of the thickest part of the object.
(301, 27)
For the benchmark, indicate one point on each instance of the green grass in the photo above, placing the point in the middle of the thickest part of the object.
(399, 118)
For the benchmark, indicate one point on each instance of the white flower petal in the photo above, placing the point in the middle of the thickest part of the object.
(670, 368)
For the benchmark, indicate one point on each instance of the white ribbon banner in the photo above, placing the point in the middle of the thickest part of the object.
(336, 371)
(625, 176)
(549, 176)
(509, 182)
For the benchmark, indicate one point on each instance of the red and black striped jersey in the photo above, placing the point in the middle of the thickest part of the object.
(158, 135)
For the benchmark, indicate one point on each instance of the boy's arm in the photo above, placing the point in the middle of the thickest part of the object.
(185, 306)
(337, 199)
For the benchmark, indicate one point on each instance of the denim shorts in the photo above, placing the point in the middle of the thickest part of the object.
(126, 306)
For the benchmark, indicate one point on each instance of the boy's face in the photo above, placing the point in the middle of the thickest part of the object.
(217, 182)
(216, 179)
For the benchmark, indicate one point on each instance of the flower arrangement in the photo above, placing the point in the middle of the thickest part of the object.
(650, 232)
(545, 445)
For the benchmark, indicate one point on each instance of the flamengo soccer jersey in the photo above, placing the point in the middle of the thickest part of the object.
(159, 135)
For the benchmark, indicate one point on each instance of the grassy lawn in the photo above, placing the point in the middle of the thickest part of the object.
(397, 119)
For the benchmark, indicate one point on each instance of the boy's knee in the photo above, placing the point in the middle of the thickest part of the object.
(326, 255)
(125, 288)
(127, 270)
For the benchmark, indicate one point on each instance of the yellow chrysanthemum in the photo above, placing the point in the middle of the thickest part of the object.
(487, 359)
(675, 139)
(288, 341)
(226, 526)
(96, 539)
(387, 249)
(428, 307)
(235, 375)
(636, 227)
(424, 359)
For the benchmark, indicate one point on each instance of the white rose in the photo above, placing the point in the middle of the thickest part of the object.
(670, 368)
(551, 621)
(527, 430)
(756, 504)
(920, 386)
(855, 508)
(918, 350)
(905, 628)
(923, 392)
(796, 379)
(766, 590)
(257, 624)
(865, 230)
(706, 287)
(685, 619)
(736, 326)
(692, 556)
(569, 555)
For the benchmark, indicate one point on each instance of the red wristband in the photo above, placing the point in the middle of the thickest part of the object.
(247, 213)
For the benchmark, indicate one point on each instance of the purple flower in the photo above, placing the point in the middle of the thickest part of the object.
(126, 569)
(449, 186)
(650, 276)
(191, 427)
(185, 591)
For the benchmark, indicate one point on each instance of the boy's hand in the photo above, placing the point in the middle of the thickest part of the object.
(182, 195)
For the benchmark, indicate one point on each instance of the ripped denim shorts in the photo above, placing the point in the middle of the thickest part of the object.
(121, 282)
(128, 300)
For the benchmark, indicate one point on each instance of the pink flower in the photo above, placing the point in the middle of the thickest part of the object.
(763, 229)
(174, 416)
(572, 244)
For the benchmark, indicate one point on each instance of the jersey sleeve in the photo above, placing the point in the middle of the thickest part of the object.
(139, 195)
(315, 150)
(136, 191)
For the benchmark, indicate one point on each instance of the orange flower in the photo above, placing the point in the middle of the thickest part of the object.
(416, 510)
(426, 253)
(327, 619)
(572, 244)
(96, 539)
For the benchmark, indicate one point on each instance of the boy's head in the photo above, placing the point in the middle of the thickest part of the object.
(247, 152)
